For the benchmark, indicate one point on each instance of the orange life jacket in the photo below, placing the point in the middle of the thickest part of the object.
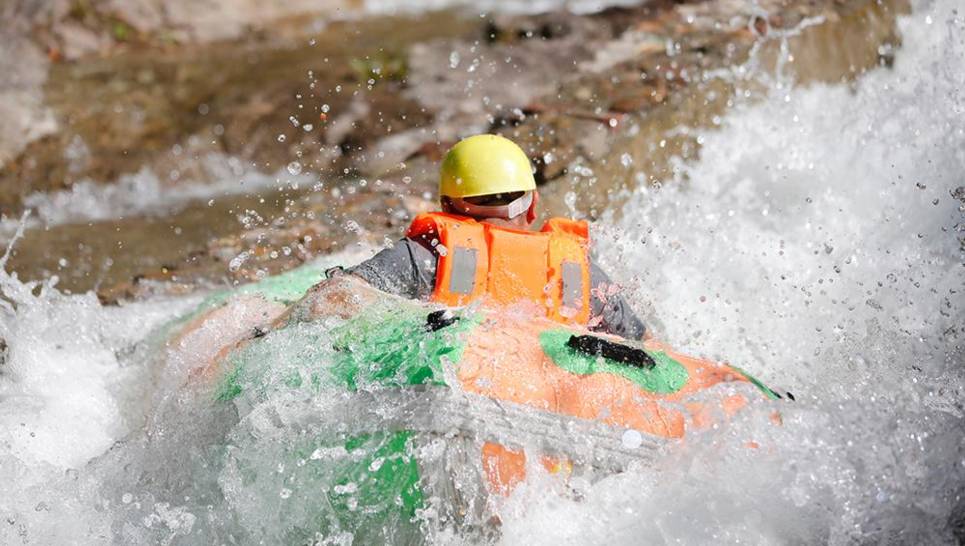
(550, 267)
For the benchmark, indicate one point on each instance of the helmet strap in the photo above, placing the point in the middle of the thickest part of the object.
(525, 204)
(531, 212)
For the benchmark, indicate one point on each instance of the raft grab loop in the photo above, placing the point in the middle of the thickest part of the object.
(597, 346)
(438, 320)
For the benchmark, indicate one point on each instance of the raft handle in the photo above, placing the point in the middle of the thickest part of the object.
(597, 346)
(437, 320)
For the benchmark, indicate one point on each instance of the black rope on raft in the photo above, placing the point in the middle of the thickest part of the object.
(597, 346)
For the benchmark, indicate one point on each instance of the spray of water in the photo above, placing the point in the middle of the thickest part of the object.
(816, 241)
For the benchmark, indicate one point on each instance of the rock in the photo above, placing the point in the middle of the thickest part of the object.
(631, 45)
(342, 123)
(390, 152)
(143, 15)
(25, 117)
(225, 19)
(77, 41)
(472, 79)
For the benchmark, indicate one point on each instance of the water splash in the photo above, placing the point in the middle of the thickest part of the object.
(817, 239)
(146, 193)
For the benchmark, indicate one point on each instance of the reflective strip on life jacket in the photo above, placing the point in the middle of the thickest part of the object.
(463, 256)
(462, 277)
(549, 267)
(568, 248)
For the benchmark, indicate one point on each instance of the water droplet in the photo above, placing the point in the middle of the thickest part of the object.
(570, 200)
(294, 168)
(239, 260)
(631, 439)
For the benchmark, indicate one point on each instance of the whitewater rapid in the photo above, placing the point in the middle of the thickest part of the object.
(817, 242)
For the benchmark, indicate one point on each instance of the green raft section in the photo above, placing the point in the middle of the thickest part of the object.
(390, 347)
(373, 490)
(387, 347)
(287, 287)
(667, 377)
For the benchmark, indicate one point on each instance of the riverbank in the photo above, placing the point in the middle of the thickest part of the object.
(174, 163)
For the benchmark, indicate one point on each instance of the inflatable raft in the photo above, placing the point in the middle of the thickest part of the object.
(437, 411)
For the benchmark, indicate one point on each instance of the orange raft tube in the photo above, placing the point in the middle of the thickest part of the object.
(502, 355)
(531, 362)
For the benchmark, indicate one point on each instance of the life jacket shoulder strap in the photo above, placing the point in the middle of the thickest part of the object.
(569, 269)
(577, 228)
(462, 252)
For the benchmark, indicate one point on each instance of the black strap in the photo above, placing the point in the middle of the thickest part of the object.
(333, 272)
(437, 320)
(597, 346)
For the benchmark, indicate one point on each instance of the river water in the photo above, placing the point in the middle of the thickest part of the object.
(817, 241)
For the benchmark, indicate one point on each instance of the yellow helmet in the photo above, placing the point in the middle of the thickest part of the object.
(484, 165)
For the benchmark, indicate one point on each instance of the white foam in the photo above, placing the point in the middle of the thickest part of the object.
(76, 377)
(145, 193)
(815, 242)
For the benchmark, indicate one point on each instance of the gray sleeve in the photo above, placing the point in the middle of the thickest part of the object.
(610, 312)
(406, 269)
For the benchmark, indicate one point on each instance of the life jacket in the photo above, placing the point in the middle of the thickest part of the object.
(475, 259)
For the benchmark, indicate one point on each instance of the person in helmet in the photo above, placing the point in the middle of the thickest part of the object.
(483, 245)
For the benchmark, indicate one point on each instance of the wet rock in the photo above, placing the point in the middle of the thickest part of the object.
(391, 152)
(472, 79)
(631, 45)
(25, 116)
(341, 125)
(225, 19)
(77, 41)
(638, 100)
